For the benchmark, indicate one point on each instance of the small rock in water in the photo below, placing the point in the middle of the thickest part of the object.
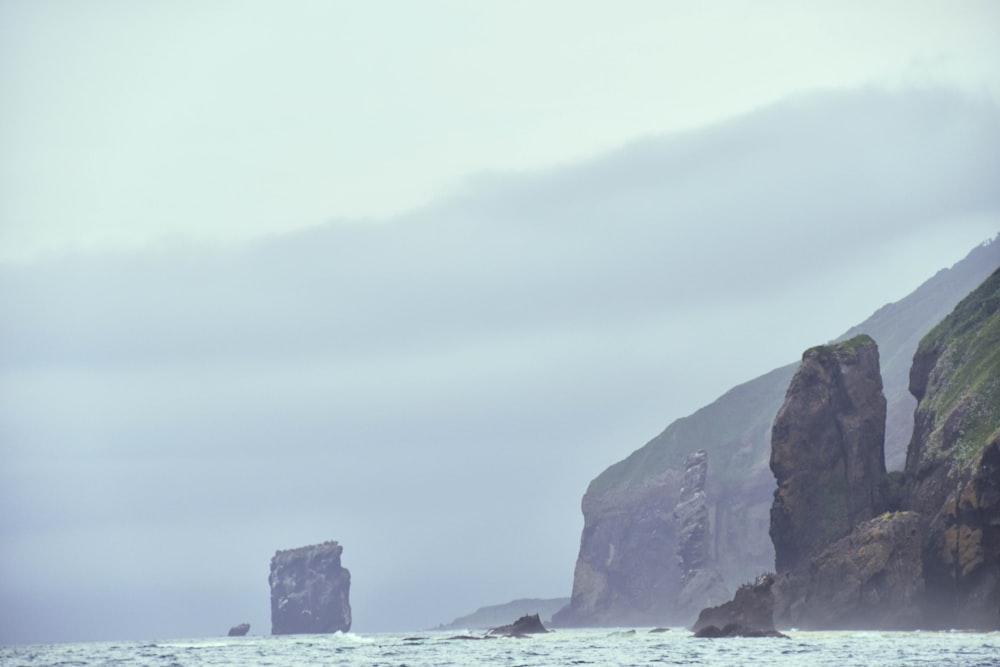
(735, 630)
(239, 630)
(526, 625)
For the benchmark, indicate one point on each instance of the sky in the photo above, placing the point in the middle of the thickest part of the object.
(410, 275)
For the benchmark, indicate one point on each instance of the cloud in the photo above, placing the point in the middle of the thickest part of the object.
(443, 384)
(618, 238)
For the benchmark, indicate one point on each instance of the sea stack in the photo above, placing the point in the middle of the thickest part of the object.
(701, 581)
(310, 590)
(827, 450)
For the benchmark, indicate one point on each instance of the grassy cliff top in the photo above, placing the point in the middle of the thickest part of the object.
(844, 347)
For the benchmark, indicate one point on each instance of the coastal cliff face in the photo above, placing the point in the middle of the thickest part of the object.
(827, 450)
(624, 573)
(310, 590)
(953, 463)
(627, 572)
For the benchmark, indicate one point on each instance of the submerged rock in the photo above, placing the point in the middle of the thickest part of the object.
(310, 591)
(735, 630)
(239, 630)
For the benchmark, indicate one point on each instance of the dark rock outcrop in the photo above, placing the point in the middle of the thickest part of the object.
(838, 565)
(827, 450)
(624, 572)
(871, 578)
(239, 630)
(493, 615)
(735, 630)
(953, 463)
(310, 590)
(751, 607)
(701, 582)
(526, 625)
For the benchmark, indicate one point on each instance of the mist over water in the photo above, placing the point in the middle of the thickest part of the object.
(580, 647)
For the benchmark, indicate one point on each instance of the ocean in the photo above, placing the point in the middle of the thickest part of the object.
(571, 647)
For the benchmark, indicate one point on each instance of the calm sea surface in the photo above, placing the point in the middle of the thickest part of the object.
(583, 647)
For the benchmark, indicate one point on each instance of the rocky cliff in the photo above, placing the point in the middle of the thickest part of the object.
(953, 463)
(841, 561)
(310, 590)
(624, 572)
(827, 450)
(937, 564)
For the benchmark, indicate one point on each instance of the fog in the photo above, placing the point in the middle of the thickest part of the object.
(435, 389)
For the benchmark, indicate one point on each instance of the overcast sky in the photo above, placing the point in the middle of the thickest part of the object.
(409, 275)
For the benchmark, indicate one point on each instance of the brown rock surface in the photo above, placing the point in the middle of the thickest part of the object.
(751, 607)
(871, 578)
(827, 450)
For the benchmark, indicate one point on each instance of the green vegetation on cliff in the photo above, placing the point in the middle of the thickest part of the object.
(963, 389)
(953, 461)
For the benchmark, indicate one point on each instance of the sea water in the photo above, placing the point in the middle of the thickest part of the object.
(570, 647)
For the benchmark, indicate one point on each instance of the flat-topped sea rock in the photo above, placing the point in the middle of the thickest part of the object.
(310, 590)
